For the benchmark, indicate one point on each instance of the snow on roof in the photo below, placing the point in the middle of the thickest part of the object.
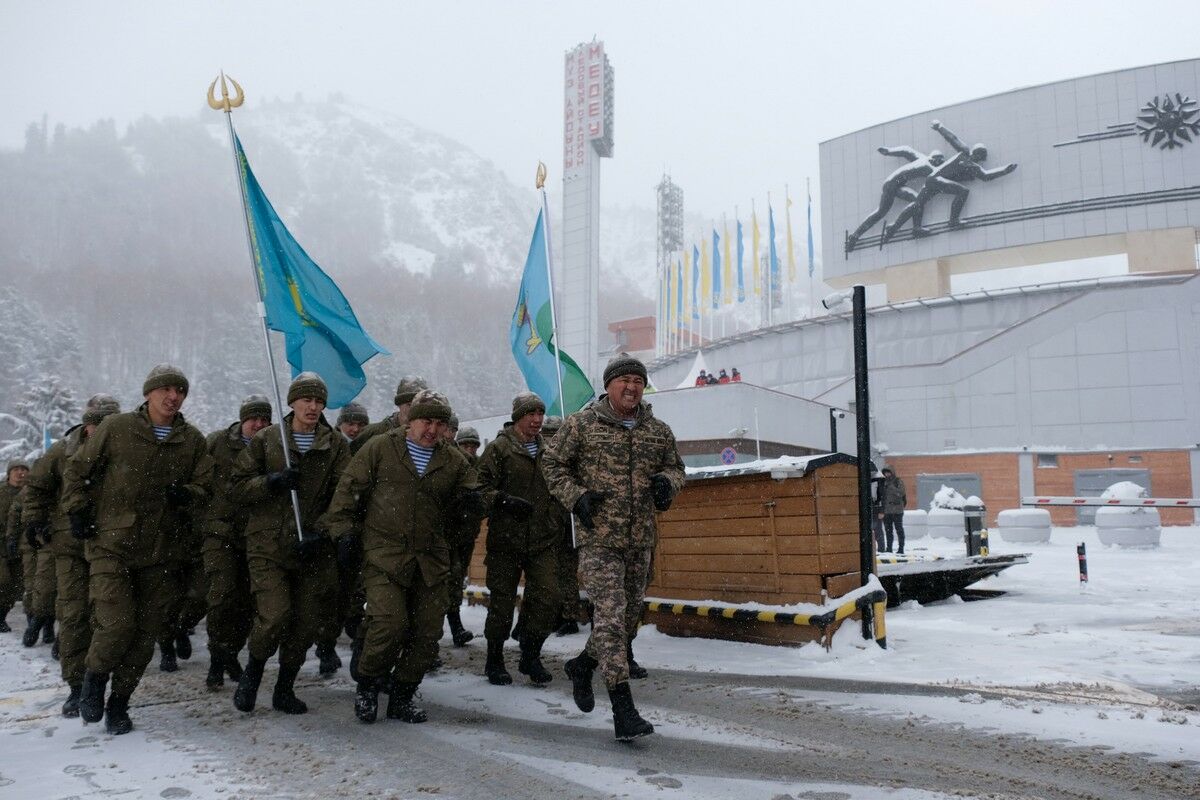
(779, 468)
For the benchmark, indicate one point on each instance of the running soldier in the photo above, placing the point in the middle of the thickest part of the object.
(400, 489)
(230, 610)
(462, 534)
(12, 573)
(352, 418)
(45, 520)
(405, 392)
(128, 491)
(293, 580)
(614, 464)
(37, 562)
(567, 556)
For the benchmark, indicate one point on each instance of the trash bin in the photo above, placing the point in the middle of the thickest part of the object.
(975, 535)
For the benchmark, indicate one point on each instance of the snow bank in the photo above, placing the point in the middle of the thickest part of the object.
(1024, 525)
(1128, 527)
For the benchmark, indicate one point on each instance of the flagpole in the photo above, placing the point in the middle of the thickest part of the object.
(227, 105)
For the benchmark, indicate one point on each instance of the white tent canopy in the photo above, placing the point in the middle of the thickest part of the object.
(694, 372)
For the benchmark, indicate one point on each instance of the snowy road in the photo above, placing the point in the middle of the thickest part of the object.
(720, 736)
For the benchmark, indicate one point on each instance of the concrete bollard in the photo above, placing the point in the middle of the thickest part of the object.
(1024, 525)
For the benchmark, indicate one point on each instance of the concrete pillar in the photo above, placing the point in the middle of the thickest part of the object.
(1194, 463)
(1025, 482)
(918, 279)
(1168, 250)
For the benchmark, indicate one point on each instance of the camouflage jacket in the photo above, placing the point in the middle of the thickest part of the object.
(374, 429)
(41, 499)
(121, 473)
(403, 516)
(593, 451)
(225, 521)
(507, 468)
(462, 530)
(271, 521)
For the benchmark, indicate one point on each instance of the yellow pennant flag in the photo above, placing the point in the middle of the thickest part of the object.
(790, 255)
(727, 265)
(754, 252)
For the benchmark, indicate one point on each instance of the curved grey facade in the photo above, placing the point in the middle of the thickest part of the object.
(1099, 156)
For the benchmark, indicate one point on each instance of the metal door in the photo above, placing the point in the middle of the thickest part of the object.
(1093, 482)
(966, 483)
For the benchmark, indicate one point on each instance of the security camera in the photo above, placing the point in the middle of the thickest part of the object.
(831, 301)
(837, 413)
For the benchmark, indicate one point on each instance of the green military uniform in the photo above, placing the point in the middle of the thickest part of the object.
(519, 543)
(406, 555)
(294, 598)
(230, 609)
(12, 583)
(137, 491)
(461, 533)
(38, 564)
(189, 606)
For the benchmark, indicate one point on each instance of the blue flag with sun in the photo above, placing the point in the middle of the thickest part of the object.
(303, 303)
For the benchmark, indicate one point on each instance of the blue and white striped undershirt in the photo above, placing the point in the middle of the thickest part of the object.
(629, 423)
(245, 440)
(420, 455)
(161, 431)
(304, 441)
(531, 448)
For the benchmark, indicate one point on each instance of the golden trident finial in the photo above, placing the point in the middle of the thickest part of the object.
(541, 175)
(226, 103)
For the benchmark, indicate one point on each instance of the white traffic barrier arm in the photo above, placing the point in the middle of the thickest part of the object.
(1126, 502)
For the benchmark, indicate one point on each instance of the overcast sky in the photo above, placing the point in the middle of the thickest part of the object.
(731, 98)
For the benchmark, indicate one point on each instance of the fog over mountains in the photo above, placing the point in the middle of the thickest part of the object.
(130, 247)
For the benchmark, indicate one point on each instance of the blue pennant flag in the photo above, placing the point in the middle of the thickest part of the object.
(531, 337)
(741, 250)
(716, 270)
(303, 303)
(774, 255)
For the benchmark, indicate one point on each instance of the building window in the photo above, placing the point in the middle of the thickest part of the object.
(1047, 460)
(1135, 459)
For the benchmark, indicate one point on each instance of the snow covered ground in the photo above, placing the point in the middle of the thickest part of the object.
(1114, 666)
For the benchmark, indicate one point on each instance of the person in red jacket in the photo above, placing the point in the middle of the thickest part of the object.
(701, 379)
(723, 378)
(737, 376)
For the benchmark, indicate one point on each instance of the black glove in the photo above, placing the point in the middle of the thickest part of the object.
(518, 507)
(586, 505)
(284, 481)
(662, 491)
(82, 525)
(470, 504)
(37, 533)
(178, 496)
(309, 543)
(349, 552)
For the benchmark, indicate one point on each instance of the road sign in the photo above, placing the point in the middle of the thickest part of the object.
(728, 456)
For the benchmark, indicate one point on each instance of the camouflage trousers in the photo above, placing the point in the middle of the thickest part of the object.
(291, 609)
(130, 605)
(190, 604)
(230, 609)
(40, 586)
(349, 607)
(12, 584)
(539, 603)
(403, 625)
(615, 580)
(74, 612)
(460, 565)
(568, 581)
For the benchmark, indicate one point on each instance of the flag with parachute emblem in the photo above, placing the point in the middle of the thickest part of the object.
(531, 337)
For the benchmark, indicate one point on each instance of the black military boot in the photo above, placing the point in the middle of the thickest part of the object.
(71, 706)
(247, 690)
(167, 662)
(458, 633)
(29, 639)
(356, 648)
(216, 674)
(48, 632)
(627, 723)
(496, 673)
(330, 663)
(366, 700)
(531, 661)
(568, 628)
(91, 696)
(232, 668)
(636, 670)
(183, 645)
(579, 670)
(400, 703)
(116, 715)
(284, 698)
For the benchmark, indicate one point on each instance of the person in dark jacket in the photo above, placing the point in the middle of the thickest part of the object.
(894, 500)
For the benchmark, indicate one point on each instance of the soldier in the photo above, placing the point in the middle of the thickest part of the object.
(567, 557)
(189, 606)
(462, 534)
(44, 520)
(230, 610)
(402, 486)
(614, 464)
(12, 584)
(293, 580)
(522, 538)
(405, 392)
(38, 567)
(352, 419)
(128, 491)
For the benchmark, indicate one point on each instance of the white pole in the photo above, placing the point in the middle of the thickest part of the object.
(262, 309)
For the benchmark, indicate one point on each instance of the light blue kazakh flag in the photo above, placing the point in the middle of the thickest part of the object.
(695, 282)
(740, 251)
(531, 336)
(303, 303)
(716, 271)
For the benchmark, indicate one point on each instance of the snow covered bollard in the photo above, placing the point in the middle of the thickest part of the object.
(916, 523)
(1125, 526)
(945, 518)
(1024, 525)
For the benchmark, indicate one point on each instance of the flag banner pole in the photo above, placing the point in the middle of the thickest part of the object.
(227, 105)
(562, 403)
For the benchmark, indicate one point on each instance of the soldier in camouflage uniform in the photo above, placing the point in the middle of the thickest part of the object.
(293, 580)
(352, 419)
(189, 606)
(523, 531)
(129, 491)
(405, 392)
(399, 491)
(12, 584)
(230, 609)
(614, 464)
(462, 535)
(38, 565)
(44, 519)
